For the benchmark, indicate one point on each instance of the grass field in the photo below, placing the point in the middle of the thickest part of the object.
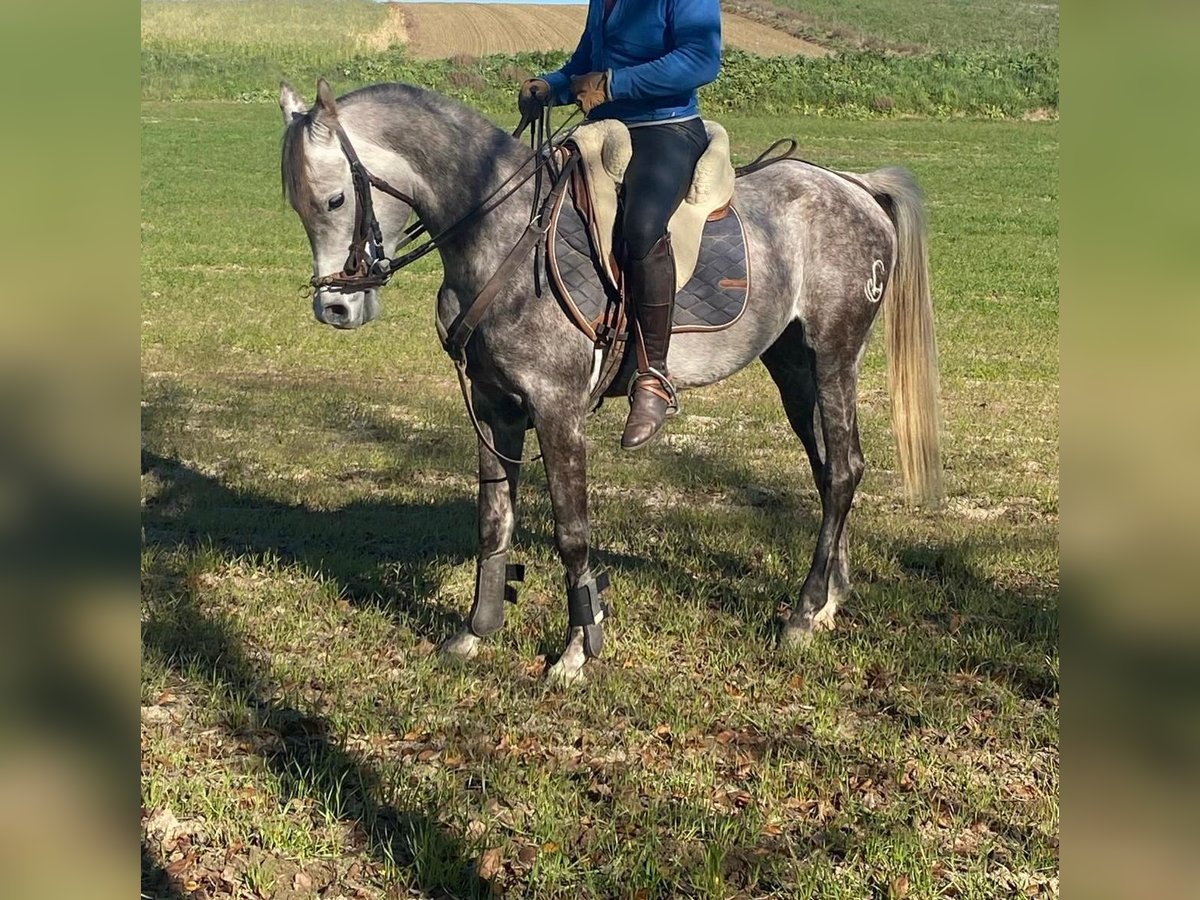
(308, 515)
(216, 49)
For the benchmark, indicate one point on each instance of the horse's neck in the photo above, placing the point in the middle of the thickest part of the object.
(453, 170)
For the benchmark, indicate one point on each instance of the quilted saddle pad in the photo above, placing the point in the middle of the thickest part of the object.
(714, 297)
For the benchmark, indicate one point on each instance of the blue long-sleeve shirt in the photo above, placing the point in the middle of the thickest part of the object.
(657, 54)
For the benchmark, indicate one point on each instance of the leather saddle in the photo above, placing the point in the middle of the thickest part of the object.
(582, 263)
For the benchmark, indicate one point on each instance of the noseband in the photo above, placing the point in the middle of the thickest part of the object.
(367, 264)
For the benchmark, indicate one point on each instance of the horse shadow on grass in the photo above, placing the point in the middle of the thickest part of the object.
(951, 593)
(390, 554)
(393, 554)
(1028, 615)
(298, 747)
(378, 552)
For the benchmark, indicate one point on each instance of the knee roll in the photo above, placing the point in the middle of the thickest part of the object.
(640, 238)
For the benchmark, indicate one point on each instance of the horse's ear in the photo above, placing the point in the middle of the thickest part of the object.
(290, 103)
(325, 101)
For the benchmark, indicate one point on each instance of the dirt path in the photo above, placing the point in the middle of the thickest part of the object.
(436, 30)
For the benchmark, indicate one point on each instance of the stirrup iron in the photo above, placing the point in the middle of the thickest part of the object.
(672, 394)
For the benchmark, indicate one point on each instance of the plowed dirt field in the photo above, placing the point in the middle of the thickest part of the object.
(434, 30)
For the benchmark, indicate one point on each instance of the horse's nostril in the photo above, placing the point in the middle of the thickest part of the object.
(338, 310)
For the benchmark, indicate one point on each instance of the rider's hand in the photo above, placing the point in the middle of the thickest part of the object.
(534, 97)
(590, 90)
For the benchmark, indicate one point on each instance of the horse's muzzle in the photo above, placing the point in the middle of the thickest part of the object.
(345, 311)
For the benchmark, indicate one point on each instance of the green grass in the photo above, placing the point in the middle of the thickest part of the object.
(922, 24)
(308, 503)
(330, 25)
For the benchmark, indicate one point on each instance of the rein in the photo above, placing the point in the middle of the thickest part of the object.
(367, 265)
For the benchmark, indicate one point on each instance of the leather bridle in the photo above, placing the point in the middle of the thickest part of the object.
(368, 265)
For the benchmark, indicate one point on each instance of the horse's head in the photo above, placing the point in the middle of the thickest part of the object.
(318, 184)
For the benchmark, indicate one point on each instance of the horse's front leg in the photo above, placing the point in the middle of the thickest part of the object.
(565, 452)
(505, 428)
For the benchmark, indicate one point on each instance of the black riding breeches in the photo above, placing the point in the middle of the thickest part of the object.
(657, 179)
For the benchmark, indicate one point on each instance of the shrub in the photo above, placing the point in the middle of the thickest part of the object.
(467, 80)
(861, 84)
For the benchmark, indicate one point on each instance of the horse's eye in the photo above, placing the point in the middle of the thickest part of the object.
(335, 202)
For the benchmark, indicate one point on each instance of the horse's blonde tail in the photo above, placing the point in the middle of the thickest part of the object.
(911, 344)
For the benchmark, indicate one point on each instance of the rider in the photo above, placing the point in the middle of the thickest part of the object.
(641, 62)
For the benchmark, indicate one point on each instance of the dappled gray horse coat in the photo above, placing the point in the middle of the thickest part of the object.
(826, 253)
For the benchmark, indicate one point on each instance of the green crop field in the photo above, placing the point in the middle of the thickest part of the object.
(308, 512)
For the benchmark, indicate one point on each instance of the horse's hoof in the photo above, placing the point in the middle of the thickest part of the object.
(464, 645)
(798, 630)
(794, 639)
(823, 620)
(563, 674)
(568, 668)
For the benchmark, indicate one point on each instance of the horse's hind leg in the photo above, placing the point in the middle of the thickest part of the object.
(837, 387)
(839, 578)
(789, 362)
(792, 365)
(497, 518)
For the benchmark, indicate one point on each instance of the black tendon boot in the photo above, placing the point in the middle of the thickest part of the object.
(651, 284)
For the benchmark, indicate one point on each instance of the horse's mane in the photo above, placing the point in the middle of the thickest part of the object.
(411, 96)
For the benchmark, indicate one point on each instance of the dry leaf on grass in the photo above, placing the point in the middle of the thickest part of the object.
(527, 854)
(181, 865)
(489, 864)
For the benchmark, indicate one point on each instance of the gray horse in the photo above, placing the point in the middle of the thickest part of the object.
(826, 251)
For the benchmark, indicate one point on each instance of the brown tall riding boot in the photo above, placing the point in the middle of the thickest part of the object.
(651, 283)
